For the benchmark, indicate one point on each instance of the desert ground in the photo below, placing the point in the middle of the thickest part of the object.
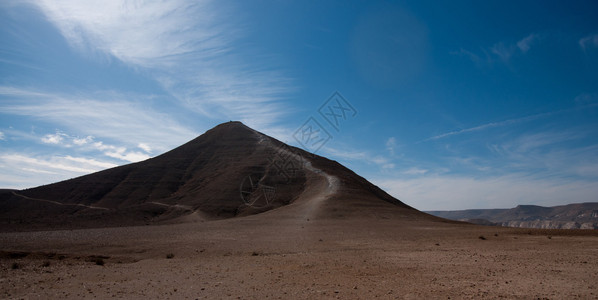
(269, 256)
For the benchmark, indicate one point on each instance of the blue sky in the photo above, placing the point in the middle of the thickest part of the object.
(458, 104)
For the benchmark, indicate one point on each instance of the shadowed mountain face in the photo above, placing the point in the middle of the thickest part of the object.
(231, 170)
(571, 216)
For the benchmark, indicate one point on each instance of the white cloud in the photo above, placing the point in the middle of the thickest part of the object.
(56, 138)
(91, 162)
(129, 30)
(144, 147)
(584, 101)
(502, 51)
(588, 42)
(525, 43)
(388, 166)
(88, 144)
(63, 139)
(449, 192)
(109, 116)
(415, 171)
(196, 59)
(359, 156)
(2, 136)
(127, 156)
(52, 163)
(534, 141)
(82, 141)
(472, 56)
(39, 171)
(494, 124)
(552, 153)
(120, 152)
(568, 154)
(24, 170)
(353, 155)
(101, 146)
(391, 144)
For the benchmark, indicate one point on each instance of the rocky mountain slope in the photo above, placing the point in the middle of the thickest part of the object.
(231, 170)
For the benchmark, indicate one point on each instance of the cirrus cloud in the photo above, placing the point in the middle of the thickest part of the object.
(195, 60)
(587, 42)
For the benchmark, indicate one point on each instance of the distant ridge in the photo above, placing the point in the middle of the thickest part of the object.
(571, 216)
(230, 170)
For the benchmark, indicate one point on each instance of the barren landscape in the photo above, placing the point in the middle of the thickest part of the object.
(571, 216)
(275, 255)
(298, 149)
(328, 234)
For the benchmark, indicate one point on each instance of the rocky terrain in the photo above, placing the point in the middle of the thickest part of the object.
(571, 216)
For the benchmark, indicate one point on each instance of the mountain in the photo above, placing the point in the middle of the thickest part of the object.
(229, 171)
(571, 216)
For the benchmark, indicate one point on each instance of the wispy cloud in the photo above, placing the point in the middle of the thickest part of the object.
(91, 162)
(118, 152)
(501, 51)
(55, 138)
(129, 30)
(89, 144)
(391, 145)
(472, 56)
(537, 140)
(82, 141)
(563, 155)
(552, 153)
(587, 42)
(108, 116)
(583, 101)
(134, 156)
(195, 51)
(415, 171)
(526, 43)
(490, 125)
(359, 156)
(197, 59)
(2, 136)
(144, 147)
(27, 170)
(67, 163)
(547, 166)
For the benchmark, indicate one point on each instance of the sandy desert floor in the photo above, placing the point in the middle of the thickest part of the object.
(261, 257)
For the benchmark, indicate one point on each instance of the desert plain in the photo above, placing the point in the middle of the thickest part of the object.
(274, 255)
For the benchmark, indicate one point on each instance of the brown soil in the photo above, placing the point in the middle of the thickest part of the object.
(281, 257)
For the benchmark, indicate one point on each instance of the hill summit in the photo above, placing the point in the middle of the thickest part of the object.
(229, 171)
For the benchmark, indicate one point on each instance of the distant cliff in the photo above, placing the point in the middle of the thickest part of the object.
(571, 216)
